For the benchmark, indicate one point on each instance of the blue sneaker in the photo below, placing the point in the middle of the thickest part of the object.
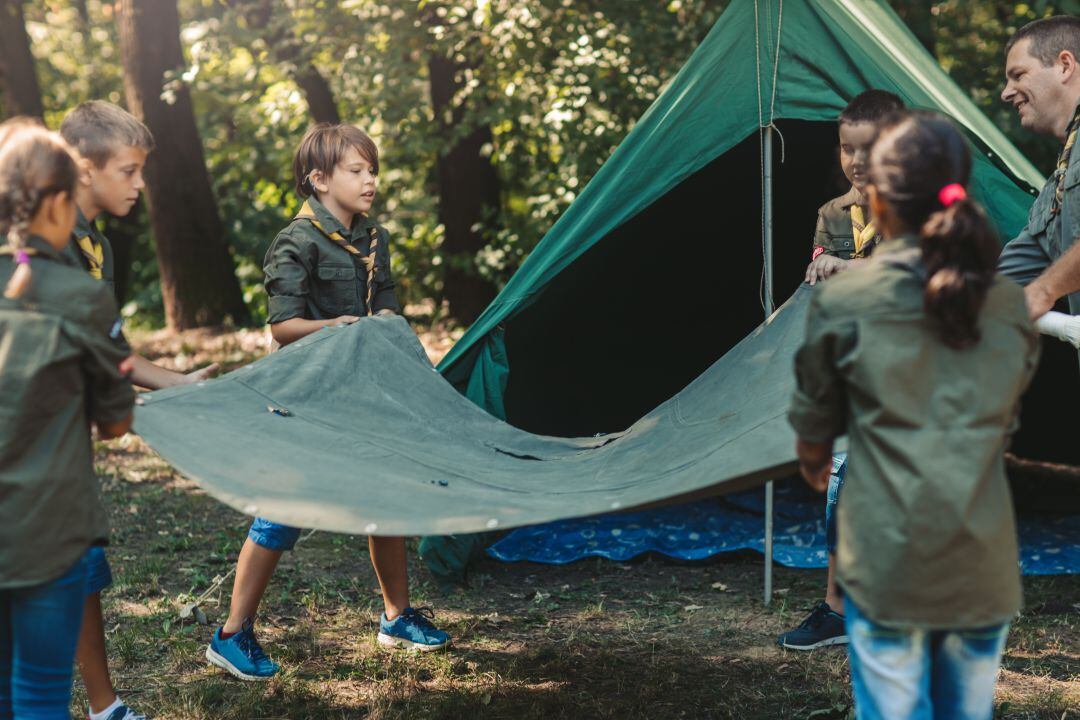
(241, 655)
(412, 630)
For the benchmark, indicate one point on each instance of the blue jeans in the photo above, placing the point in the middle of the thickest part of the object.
(98, 572)
(39, 629)
(836, 483)
(272, 535)
(922, 674)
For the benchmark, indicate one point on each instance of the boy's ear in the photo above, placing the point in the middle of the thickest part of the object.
(317, 180)
(86, 169)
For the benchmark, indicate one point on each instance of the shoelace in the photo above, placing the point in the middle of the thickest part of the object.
(815, 618)
(250, 646)
(422, 616)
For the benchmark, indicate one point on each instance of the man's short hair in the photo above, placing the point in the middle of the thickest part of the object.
(323, 147)
(871, 106)
(99, 129)
(1049, 37)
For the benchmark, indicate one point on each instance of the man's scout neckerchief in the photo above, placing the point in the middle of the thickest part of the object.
(1063, 161)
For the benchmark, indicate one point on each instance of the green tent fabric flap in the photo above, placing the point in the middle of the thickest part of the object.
(829, 51)
(297, 439)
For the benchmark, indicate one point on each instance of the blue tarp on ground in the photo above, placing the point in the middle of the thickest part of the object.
(1050, 545)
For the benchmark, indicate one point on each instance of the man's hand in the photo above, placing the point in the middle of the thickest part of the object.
(815, 462)
(344, 320)
(1039, 300)
(385, 312)
(201, 374)
(822, 267)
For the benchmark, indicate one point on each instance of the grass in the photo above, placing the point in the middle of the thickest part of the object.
(595, 639)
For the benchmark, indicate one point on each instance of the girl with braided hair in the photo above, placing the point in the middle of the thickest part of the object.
(925, 381)
(63, 362)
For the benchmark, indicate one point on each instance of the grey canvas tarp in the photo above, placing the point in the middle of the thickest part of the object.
(368, 438)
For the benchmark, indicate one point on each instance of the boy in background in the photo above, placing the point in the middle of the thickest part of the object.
(845, 235)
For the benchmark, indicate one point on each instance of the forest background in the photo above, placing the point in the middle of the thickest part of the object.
(490, 116)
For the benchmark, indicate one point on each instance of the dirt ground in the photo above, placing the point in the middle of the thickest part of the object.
(595, 639)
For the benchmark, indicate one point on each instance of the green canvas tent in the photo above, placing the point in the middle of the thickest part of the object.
(656, 269)
(665, 240)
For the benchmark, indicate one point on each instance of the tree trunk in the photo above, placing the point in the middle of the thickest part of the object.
(285, 48)
(468, 189)
(198, 282)
(22, 94)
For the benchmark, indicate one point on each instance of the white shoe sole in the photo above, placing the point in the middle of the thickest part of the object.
(838, 640)
(221, 662)
(389, 641)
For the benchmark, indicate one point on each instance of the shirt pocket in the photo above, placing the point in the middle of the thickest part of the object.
(1070, 211)
(840, 245)
(337, 290)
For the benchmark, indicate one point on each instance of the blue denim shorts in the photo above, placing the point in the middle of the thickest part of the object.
(273, 536)
(98, 572)
(899, 674)
(836, 483)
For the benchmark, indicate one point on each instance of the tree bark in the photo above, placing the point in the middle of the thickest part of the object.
(22, 94)
(198, 282)
(468, 189)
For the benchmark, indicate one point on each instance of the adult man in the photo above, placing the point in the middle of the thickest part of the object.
(1043, 84)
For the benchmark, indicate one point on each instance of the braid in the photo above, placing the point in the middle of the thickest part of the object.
(34, 164)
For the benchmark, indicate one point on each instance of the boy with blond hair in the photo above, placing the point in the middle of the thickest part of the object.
(111, 147)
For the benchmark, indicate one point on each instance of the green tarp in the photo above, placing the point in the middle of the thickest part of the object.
(351, 430)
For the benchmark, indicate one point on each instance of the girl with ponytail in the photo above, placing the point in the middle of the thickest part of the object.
(925, 381)
(62, 368)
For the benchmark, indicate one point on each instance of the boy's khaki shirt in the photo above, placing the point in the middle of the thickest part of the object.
(59, 370)
(834, 233)
(310, 276)
(86, 242)
(926, 532)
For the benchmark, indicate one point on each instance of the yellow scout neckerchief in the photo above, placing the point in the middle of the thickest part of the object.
(94, 254)
(864, 232)
(1063, 161)
(306, 213)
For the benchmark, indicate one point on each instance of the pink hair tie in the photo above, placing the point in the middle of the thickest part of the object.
(951, 193)
(22, 257)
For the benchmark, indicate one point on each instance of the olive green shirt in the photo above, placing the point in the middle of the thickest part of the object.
(310, 276)
(86, 228)
(833, 233)
(60, 348)
(926, 532)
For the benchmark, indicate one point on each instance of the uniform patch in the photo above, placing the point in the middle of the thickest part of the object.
(117, 327)
(818, 249)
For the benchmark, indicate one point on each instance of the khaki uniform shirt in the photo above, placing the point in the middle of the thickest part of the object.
(310, 276)
(834, 233)
(927, 537)
(60, 348)
(85, 228)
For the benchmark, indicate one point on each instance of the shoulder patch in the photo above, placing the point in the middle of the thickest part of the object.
(116, 329)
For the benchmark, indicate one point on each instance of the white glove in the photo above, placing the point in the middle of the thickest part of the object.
(1063, 327)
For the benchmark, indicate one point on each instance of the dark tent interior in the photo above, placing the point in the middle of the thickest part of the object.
(651, 306)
